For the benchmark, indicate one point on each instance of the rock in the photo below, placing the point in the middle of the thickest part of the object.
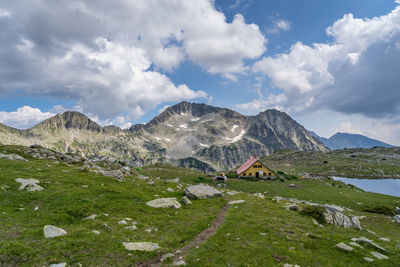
(355, 223)
(363, 240)
(343, 246)
(315, 222)
(141, 246)
(175, 180)
(334, 208)
(232, 193)
(342, 220)
(368, 259)
(50, 231)
(186, 201)
(12, 157)
(91, 217)
(354, 244)
(328, 218)
(167, 256)
(170, 189)
(150, 182)
(259, 195)
(63, 264)
(384, 239)
(240, 201)
(396, 219)
(371, 232)
(131, 228)
(117, 174)
(29, 184)
(179, 263)
(122, 222)
(292, 207)
(96, 232)
(164, 203)
(201, 191)
(379, 256)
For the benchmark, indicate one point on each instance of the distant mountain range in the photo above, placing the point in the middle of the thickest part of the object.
(186, 134)
(346, 140)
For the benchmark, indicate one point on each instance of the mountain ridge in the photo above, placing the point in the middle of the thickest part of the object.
(185, 132)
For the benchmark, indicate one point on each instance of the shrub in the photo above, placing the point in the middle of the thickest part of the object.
(281, 180)
(380, 210)
(249, 178)
(202, 179)
(231, 175)
(315, 212)
(280, 172)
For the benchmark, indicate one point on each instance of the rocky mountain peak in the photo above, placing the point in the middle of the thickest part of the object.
(70, 120)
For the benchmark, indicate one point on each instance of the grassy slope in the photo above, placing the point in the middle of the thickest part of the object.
(374, 163)
(64, 203)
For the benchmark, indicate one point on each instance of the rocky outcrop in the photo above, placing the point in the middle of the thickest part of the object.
(201, 191)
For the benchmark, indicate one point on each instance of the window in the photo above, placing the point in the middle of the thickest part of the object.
(244, 174)
(249, 173)
(269, 174)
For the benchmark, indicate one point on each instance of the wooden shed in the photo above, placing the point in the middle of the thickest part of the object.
(254, 167)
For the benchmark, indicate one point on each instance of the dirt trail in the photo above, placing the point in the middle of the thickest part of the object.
(200, 238)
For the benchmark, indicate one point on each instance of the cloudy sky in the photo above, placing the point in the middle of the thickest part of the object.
(332, 65)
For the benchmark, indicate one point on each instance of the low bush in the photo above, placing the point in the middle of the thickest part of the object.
(315, 212)
(250, 178)
(231, 175)
(202, 179)
(385, 210)
(280, 172)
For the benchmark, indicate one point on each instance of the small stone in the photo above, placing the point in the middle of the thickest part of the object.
(179, 263)
(50, 231)
(96, 232)
(292, 207)
(141, 246)
(315, 222)
(262, 233)
(185, 200)
(36, 208)
(371, 232)
(122, 222)
(170, 189)
(354, 244)
(396, 219)
(236, 202)
(368, 259)
(131, 228)
(91, 217)
(63, 264)
(344, 247)
(379, 256)
(384, 239)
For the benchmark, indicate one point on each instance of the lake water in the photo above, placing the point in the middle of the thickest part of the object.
(382, 186)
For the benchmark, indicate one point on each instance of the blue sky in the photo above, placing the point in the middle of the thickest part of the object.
(331, 65)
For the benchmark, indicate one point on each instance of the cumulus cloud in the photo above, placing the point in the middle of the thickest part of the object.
(261, 104)
(24, 117)
(110, 57)
(279, 25)
(356, 73)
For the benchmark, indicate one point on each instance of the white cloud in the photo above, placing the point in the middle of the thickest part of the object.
(261, 104)
(279, 25)
(109, 58)
(353, 74)
(24, 117)
(4, 13)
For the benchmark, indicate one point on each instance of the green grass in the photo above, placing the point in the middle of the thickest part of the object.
(66, 201)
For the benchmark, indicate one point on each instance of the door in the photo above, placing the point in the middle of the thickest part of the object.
(257, 175)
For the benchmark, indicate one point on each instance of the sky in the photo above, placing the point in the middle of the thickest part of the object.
(332, 65)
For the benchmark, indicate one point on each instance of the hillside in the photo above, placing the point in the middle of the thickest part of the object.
(376, 162)
(101, 214)
(346, 140)
(217, 138)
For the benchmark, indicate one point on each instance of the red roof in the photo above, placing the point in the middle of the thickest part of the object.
(247, 165)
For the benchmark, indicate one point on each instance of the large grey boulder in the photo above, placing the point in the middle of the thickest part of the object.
(201, 191)
(365, 241)
(342, 220)
(164, 203)
(396, 219)
(50, 231)
(29, 184)
(141, 246)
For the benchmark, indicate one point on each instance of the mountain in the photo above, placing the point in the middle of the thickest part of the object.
(186, 134)
(346, 140)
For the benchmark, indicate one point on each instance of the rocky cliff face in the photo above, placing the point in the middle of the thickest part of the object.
(186, 134)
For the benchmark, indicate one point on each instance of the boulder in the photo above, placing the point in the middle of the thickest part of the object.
(201, 191)
(12, 157)
(355, 222)
(343, 246)
(50, 231)
(141, 246)
(164, 203)
(328, 218)
(29, 184)
(379, 256)
(292, 207)
(396, 219)
(241, 201)
(186, 201)
(365, 241)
